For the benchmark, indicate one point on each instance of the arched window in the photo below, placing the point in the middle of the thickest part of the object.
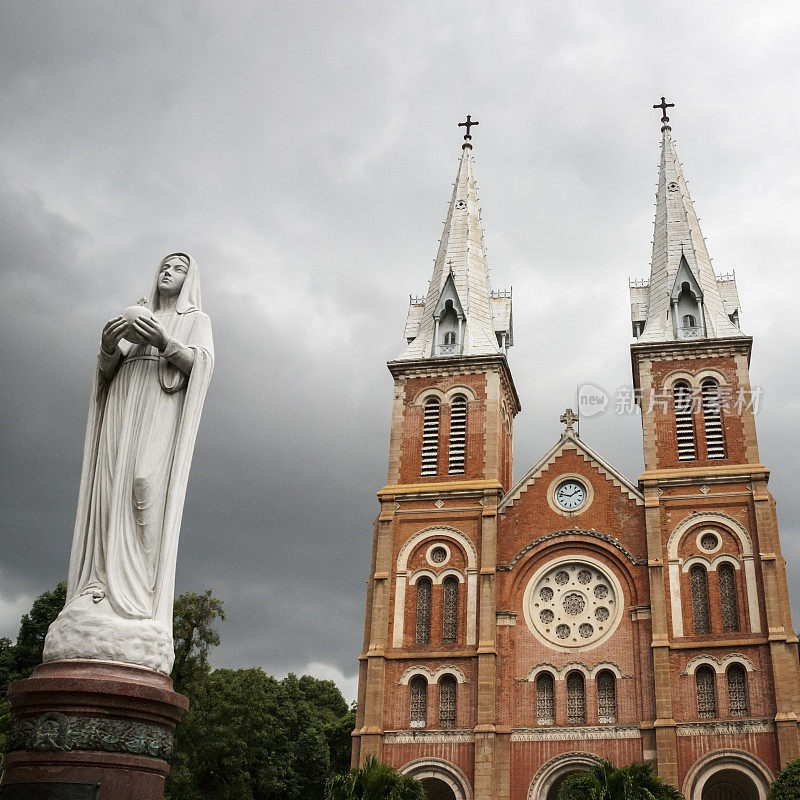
(706, 692)
(424, 587)
(737, 691)
(450, 610)
(545, 699)
(576, 699)
(698, 579)
(430, 437)
(419, 701)
(447, 701)
(712, 419)
(458, 434)
(449, 338)
(684, 421)
(689, 321)
(728, 601)
(606, 698)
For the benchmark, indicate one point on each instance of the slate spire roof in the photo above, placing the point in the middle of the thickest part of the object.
(459, 285)
(679, 258)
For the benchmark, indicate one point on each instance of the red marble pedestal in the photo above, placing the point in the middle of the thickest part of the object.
(90, 730)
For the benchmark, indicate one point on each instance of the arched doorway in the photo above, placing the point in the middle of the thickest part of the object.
(728, 775)
(440, 779)
(547, 781)
(437, 789)
(730, 784)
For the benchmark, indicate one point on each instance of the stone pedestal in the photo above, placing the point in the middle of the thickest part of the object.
(90, 730)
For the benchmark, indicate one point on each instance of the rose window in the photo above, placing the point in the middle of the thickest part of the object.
(573, 605)
(438, 555)
(709, 541)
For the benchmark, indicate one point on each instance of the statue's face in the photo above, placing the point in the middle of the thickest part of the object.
(171, 276)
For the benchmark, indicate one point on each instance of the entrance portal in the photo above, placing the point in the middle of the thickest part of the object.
(552, 793)
(436, 789)
(730, 784)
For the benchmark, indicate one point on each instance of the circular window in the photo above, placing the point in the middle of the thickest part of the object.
(709, 541)
(438, 554)
(573, 603)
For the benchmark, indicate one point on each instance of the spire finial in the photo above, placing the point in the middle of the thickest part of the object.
(467, 136)
(664, 105)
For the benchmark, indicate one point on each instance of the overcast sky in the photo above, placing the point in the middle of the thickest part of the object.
(303, 153)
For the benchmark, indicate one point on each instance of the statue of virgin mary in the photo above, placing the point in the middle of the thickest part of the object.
(150, 382)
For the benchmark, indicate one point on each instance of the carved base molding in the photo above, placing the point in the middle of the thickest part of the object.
(53, 732)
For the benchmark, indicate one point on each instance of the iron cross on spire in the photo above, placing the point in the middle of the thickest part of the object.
(569, 418)
(664, 105)
(468, 124)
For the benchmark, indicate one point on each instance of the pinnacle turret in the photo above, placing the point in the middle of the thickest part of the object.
(460, 315)
(683, 299)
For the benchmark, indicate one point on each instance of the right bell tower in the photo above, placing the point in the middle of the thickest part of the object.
(725, 654)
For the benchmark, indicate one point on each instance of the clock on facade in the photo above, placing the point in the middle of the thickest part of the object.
(570, 494)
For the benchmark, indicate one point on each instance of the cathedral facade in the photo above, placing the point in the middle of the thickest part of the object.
(519, 631)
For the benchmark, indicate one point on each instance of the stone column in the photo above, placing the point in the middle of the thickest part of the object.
(90, 730)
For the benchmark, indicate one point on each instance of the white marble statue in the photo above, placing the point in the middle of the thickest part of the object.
(151, 378)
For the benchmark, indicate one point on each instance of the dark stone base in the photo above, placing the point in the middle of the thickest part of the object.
(90, 730)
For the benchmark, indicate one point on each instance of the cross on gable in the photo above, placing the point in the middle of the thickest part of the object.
(468, 124)
(569, 418)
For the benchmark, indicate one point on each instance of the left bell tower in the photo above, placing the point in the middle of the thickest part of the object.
(429, 654)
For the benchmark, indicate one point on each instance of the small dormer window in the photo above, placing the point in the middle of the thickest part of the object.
(689, 321)
(449, 338)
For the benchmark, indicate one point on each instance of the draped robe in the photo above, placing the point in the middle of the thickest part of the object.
(140, 435)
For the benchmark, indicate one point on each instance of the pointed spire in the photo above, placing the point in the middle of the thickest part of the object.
(459, 316)
(684, 299)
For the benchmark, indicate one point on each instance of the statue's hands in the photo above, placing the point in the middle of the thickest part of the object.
(113, 331)
(152, 331)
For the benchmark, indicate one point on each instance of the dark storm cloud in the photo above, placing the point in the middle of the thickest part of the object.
(303, 153)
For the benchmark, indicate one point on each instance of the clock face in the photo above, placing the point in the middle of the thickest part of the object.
(570, 495)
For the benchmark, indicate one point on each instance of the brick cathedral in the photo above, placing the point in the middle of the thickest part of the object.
(519, 631)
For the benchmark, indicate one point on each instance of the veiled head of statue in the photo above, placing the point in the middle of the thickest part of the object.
(177, 275)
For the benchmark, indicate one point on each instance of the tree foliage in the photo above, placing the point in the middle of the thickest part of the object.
(787, 784)
(374, 781)
(604, 781)
(193, 617)
(249, 736)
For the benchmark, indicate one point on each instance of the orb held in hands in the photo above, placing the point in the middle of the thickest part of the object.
(147, 398)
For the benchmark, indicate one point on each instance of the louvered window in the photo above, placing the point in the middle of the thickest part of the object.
(447, 702)
(419, 701)
(684, 421)
(712, 419)
(606, 698)
(698, 579)
(545, 699)
(576, 699)
(424, 588)
(737, 691)
(458, 434)
(728, 601)
(430, 437)
(706, 693)
(450, 611)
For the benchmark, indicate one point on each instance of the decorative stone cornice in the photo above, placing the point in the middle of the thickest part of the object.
(477, 487)
(575, 734)
(429, 737)
(727, 728)
(444, 366)
(54, 732)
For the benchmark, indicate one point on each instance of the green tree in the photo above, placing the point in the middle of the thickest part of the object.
(787, 784)
(374, 781)
(193, 617)
(604, 781)
(249, 736)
